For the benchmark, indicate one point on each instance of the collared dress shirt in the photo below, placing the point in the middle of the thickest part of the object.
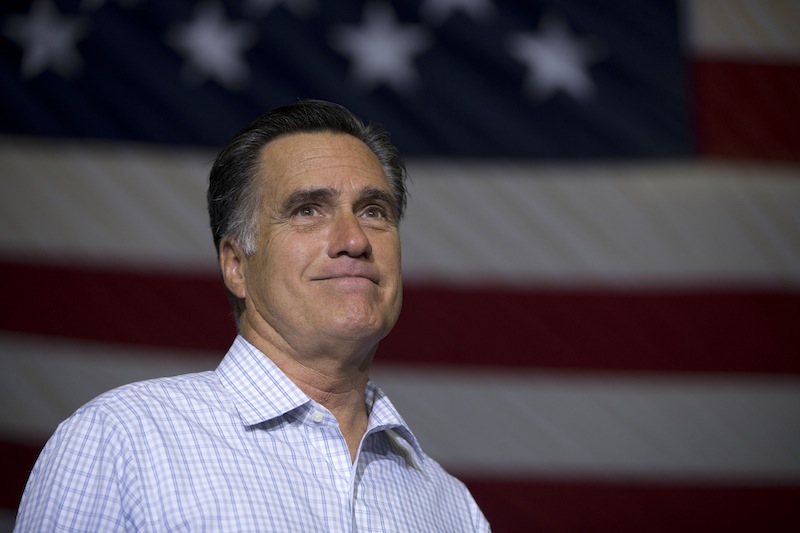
(237, 449)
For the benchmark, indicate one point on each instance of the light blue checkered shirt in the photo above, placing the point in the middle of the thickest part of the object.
(238, 449)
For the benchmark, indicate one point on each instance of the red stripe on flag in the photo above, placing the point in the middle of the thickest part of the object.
(178, 310)
(699, 330)
(747, 110)
(525, 505)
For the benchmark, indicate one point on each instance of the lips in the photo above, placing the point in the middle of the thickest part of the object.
(349, 272)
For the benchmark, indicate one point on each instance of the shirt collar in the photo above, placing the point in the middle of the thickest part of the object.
(383, 416)
(260, 389)
(262, 392)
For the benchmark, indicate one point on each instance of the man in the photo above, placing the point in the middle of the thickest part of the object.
(288, 434)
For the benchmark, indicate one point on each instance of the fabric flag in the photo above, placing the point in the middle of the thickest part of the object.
(601, 322)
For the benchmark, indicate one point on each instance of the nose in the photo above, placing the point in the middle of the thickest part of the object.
(348, 237)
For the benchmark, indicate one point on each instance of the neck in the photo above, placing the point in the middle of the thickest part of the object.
(336, 381)
(348, 406)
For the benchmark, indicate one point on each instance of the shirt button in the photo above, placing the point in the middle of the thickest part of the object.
(317, 417)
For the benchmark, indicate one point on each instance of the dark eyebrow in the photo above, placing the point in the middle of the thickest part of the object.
(308, 195)
(378, 195)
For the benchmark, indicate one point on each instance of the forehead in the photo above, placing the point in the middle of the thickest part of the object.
(319, 159)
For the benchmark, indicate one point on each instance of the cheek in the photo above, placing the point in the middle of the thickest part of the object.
(290, 257)
(390, 254)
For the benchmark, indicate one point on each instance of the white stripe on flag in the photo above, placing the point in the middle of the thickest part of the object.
(621, 224)
(677, 223)
(653, 426)
(744, 28)
(713, 427)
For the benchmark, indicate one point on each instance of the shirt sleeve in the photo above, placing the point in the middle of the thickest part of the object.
(81, 480)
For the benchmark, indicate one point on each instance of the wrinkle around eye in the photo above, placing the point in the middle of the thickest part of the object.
(379, 223)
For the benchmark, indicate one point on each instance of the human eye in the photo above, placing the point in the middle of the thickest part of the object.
(308, 210)
(378, 206)
(375, 211)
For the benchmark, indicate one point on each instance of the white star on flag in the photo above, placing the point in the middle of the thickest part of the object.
(381, 50)
(556, 61)
(213, 46)
(48, 40)
(438, 11)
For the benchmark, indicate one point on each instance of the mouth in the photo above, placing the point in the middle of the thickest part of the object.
(350, 274)
(349, 277)
(353, 272)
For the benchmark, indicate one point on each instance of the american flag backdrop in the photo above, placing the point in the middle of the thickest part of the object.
(601, 322)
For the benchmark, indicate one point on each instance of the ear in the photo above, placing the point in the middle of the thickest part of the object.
(233, 266)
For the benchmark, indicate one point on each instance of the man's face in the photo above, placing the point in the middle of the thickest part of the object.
(327, 262)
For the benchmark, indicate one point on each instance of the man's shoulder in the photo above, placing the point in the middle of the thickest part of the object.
(146, 398)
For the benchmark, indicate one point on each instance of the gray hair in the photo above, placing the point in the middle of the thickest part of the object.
(234, 194)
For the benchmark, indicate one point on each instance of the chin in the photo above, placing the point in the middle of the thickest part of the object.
(360, 329)
(364, 320)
